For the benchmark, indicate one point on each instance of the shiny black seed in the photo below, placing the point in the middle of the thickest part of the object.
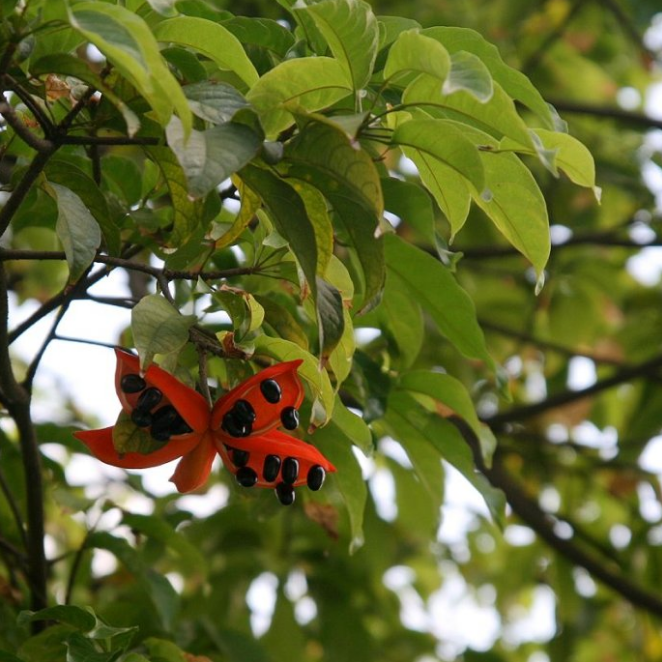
(285, 494)
(290, 471)
(315, 478)
(149, 398)
(271, 468)
(163, 420)
(235, 428)
(246, 477)
(160, 435)
(271, 391)
(180, 426)
(240, 458)
(143, 419)
(132, 383)
(289, 417)
(243, 412)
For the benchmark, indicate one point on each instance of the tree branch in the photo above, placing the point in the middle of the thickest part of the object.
(528, 510)
(634, 118)
(566, 397)
(22, 131)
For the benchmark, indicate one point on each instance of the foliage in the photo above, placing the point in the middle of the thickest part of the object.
(369, 192)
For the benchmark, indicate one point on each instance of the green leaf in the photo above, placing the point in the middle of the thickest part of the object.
(250, 204)
(156, 528)
(444, 142)
(470, 74)
(496, 116)
(569, 154)
(437, 291)
(288, 213)
(126, 40)
(77, 617)
(323, 156)
(246, 313)
(76, 228)
(414, 52)
(209, 157)
(446, 160)
(453, 395)
(158, 328)
(73, 178)
(316, 377)
(416, 427)
(353, 427)
(159, 589)
(164, 651)
(412, 204)
(282, 321)
(330, 317)
(211, 40)
(351, 31)
(63, 63)
(187, 212)
(262, 32)
(214, 101)
(334, 443)
(129, 438)
(82, 649)
(308, 83)
(515, 203)
(514, 82)
(9, 657)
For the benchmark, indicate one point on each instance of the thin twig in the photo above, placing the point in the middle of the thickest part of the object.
(13, 506)
(22, 131)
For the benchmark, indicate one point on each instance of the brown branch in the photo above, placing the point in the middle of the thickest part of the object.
(528, 510)
(22, 131)
(629, 117)
(625, 374)
(17, 400)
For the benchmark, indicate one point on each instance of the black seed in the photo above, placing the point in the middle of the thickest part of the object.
(149, 398)
(143, 419)
(290, 471)
(180, 426)
(315, 478)
(160, 435)
(132, 383)
(240, 458)
(289, 418)
(243, 412)
(285, 494)
(271, 390)
(246, 477)
(271, 468)
(233, 427)
(163, 420)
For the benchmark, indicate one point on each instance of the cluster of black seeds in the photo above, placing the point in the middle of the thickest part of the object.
(273, 466)
(164, 422)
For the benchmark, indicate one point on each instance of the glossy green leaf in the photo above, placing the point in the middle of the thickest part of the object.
(412, 51)
(437, 291)
(515, 203)
(351, 31)
(309, 83)
(76, 228)
(334, 443)
(412, 204)
(158, 328)
(211, 40)
(77, 617)
(187, 212)
(451, 393)
(246, 313)
(262, 32)
(210, 157)
(496, 116)
(288, 213)
(570, 155)
(469, 73)
(250, 204)
(214, 101)
(156, 528)
(330, 317)
(81, 649)
(164, 7)
(340, 360)
(353, 427)
(64, 63)
(323, 156)
(162, 649)
(75, 179)
(126, 40)
(514, 82)
(282, 321)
